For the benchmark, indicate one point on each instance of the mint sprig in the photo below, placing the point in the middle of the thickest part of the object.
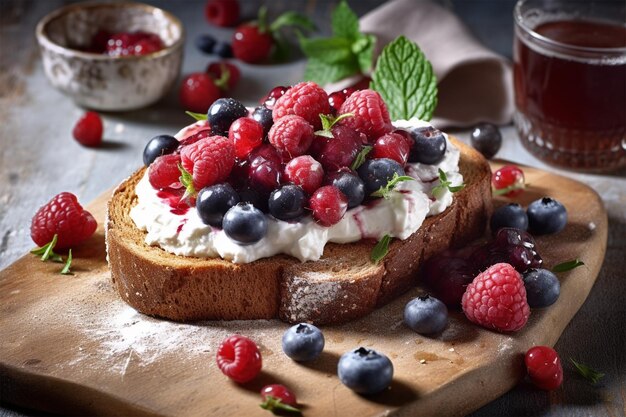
(274, 29)
(198, 116)
(186, 179)
(361, 157)
(68, 264)
(328, 121)
(385, 191)
(274, 405)
(405, 80)
(445, 184)
(567, 266)
(586, 372)
(381, 249)
(345, 53)
(46, 251)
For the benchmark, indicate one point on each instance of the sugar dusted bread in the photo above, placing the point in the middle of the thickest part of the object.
(343, 285)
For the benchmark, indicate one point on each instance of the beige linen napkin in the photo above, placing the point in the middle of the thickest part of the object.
(475, 84)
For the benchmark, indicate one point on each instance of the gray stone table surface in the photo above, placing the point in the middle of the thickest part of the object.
(39, 158)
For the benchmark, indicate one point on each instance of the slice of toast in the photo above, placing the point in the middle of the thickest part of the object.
(343, 285)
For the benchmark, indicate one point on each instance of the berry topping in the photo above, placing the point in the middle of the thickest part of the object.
(130, 43)
(246, 134)
(328, 205)
(496, 299)
(391, 146)
(287, 202)
(338, 151)
(225, 74)
(486, 139)
(448, 277)
(508, 181)
(371, 116)
(214, 201)
(350, 185)
(158, 146)
(204, 133)
(278, 398)
(65, 217)
(209, 161)
(205, 43)
(239, 358)
(245, 224)
(265, 154)
(263, 116)
(223, 49)
(546, 215)
(365, 371)
(376, 173)
(251, 44)
(337, 98)
(303, 342)
(164, 172)
(307, 100)
(544, 367)
(291, 135)
(542, 287)
(223, 112)
(222, 12)
(510, 215)
(264, 177)
(426, 315)
(257, 199)
(88, 130)
(429, 145)
(197, 92)
(305, 172)
(270, 99)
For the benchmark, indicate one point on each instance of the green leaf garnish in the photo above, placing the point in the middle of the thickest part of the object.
(405, 80)
(444, 184)
(322, 73)
(588, 373)
(186, 179)
(68, 263)
(274, 404)
(328, 121)
(344, 22)
(361, 157)
(381, 249)
(198, 116)
(47, 252)
(506, 190)
(385, 191)
(292, 19)
(567, 266)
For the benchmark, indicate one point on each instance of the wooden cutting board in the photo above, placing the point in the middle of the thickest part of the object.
(70, 345)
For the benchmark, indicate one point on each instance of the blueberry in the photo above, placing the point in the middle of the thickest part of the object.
(223, 112)
(542, 287)
(223, 49)
(205, 43)
(351, 185)
(287, 202)
(376, 173)
(158, 146)
(263, 115)
(426, 315)
(545, 216)
(365, 371)
(245, 224)
(429, 145)
(303, 342)
(486, 139)
(510, 215)
(214, 201)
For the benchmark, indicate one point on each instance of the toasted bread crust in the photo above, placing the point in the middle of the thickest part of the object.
(343, 285)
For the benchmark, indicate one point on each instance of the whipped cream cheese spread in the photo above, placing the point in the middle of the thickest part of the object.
(183, 233)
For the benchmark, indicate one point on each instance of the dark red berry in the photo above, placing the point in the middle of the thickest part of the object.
(222, 12)
(217, 70)
(273, 95)
(197, 92)
(239, 358)
(132, 43)
(328, 205)
(448, 276)
(265, 153)
(392, 146)
(339, 151)
(544, 367)
(246, 134)
(251, 45)
(277, 398)
(305, 172)
(264, 177)
(201, 134)
(510, 179)
(88, 130)
(335, 100)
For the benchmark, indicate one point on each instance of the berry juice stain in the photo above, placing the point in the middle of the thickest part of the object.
(173, 199)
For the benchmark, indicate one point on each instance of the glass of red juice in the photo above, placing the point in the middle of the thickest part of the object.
(570, 82)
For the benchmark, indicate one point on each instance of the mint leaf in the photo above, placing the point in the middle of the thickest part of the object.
(444, 184)
(344, 22)
(567, 266)
(198, 116)
(328, 121)
(327, 50)
(361, 157)
(385, 191)
(66, 268)
(364, 49)
(186, 179)
(292, 19)
(381, 249)
(586, 372)
(47, 252)
(405, 80)
(506, 190)
(323, 73)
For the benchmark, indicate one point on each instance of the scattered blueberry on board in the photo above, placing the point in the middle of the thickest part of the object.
(429, 145)
(158, 146)
(426, 315)
(365, 371)
(546, 216)
(510, 215)
(223, 49)
(205, 43)
(542, 287)
(486, 139)
(303, 342)
(245, 224)
(214, 201)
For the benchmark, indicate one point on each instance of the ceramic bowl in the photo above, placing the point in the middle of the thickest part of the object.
(99, 81)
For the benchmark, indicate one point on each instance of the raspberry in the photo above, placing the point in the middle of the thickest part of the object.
(307, 100)
(339, 151)
(222, 12)
(251, 45)
(88, 130)
(239, 358)
(246, 134)
(197, 92)
(164, 172)
(371, 116)
(328, 205)
(291, 136)
(497, 299)
(392, 146)
(65, 217)
(217, 69)
(509, 180)
(305, 172)
(544, 367)
(209, 160)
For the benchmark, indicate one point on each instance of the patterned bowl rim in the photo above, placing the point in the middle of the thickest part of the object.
(46, 42)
